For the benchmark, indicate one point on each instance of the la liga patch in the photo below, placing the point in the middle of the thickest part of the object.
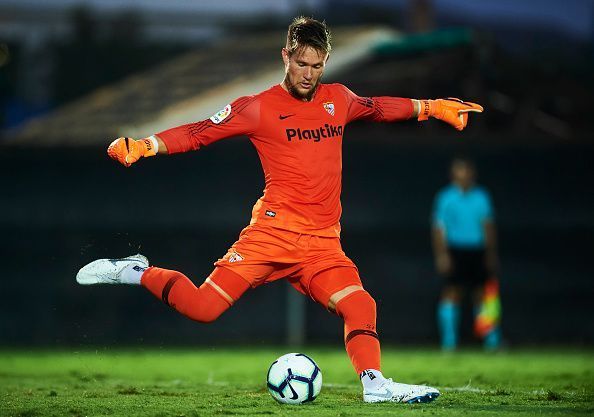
(221, 115)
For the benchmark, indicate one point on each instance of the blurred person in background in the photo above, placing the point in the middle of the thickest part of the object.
(465, 249)
(297, 128)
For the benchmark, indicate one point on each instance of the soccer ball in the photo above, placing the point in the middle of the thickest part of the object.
(294, 378)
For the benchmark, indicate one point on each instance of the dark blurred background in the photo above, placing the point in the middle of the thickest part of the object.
(76, 74)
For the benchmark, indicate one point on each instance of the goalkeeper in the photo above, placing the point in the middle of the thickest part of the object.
(297, 128)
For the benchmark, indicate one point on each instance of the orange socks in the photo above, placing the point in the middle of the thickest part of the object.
(204, 304)
(360, 336)
(358, 312)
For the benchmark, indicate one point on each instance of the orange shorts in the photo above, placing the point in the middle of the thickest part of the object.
(263, 254)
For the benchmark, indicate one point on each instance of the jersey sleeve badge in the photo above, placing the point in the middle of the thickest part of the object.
(221, 115)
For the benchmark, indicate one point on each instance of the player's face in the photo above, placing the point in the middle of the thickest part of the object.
(303, 71)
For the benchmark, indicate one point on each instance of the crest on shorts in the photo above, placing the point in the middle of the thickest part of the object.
(329, 106)
(221, 115)
(235, 257)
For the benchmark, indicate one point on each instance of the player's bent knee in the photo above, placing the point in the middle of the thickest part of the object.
(203, 304)
(205, 315)
(339, 295)
(357, 304)
(207, 305)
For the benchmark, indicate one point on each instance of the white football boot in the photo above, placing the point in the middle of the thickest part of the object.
(110, 271)
(390, 391)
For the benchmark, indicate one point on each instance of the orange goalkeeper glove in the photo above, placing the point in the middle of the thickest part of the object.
(451, 110)
(127, 150)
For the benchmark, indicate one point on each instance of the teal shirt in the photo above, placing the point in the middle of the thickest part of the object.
(462, 215)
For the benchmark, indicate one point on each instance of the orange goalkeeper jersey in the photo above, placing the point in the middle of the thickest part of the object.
(300, 147)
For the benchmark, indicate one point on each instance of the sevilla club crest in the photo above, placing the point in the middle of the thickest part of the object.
(329, 106)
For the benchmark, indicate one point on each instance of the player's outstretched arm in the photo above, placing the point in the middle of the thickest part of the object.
(127, 150)
(451, 110)
(393, 109)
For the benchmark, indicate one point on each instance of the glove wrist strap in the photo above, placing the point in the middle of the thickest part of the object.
(424, 110)
(151, 146)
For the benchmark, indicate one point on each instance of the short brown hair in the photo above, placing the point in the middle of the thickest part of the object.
(307, 31)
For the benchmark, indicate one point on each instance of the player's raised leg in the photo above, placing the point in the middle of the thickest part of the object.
(339, 289)
(204, 304)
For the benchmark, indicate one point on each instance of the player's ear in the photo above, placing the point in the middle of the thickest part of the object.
(285, 55)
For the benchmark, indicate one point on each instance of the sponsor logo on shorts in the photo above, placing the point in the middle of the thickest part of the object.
(221, 115)
(270, 213)
(235, 257)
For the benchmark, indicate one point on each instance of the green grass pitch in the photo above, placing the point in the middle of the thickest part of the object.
(225, 381)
